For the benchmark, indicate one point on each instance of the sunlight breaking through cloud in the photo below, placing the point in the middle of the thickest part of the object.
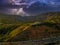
(19, 11)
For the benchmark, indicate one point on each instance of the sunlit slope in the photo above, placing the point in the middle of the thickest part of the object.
(38, 31)
(16, 31)
(17, 28)
(48, 28)
(5, 29)
(53, 18)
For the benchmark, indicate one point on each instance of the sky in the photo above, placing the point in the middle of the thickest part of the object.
(29, 7)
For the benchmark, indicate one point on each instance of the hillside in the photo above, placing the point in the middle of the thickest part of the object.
(6, 18)
(38, 31)
(17, 28)
(53, 18)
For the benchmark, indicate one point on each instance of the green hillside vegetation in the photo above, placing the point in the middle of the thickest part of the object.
(53, 18)
(10, 19)
(18, 28)
(5, 29)
(38, 31)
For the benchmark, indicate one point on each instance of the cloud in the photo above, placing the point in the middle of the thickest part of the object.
(19, 11)
(18, 5)
(28, 3)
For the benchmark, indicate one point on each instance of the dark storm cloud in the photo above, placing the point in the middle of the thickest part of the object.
(30, 2)
(30, 6)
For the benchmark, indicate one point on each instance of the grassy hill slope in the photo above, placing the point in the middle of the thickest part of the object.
(12, 26)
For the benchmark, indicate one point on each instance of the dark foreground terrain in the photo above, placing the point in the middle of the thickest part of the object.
(43, 29)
